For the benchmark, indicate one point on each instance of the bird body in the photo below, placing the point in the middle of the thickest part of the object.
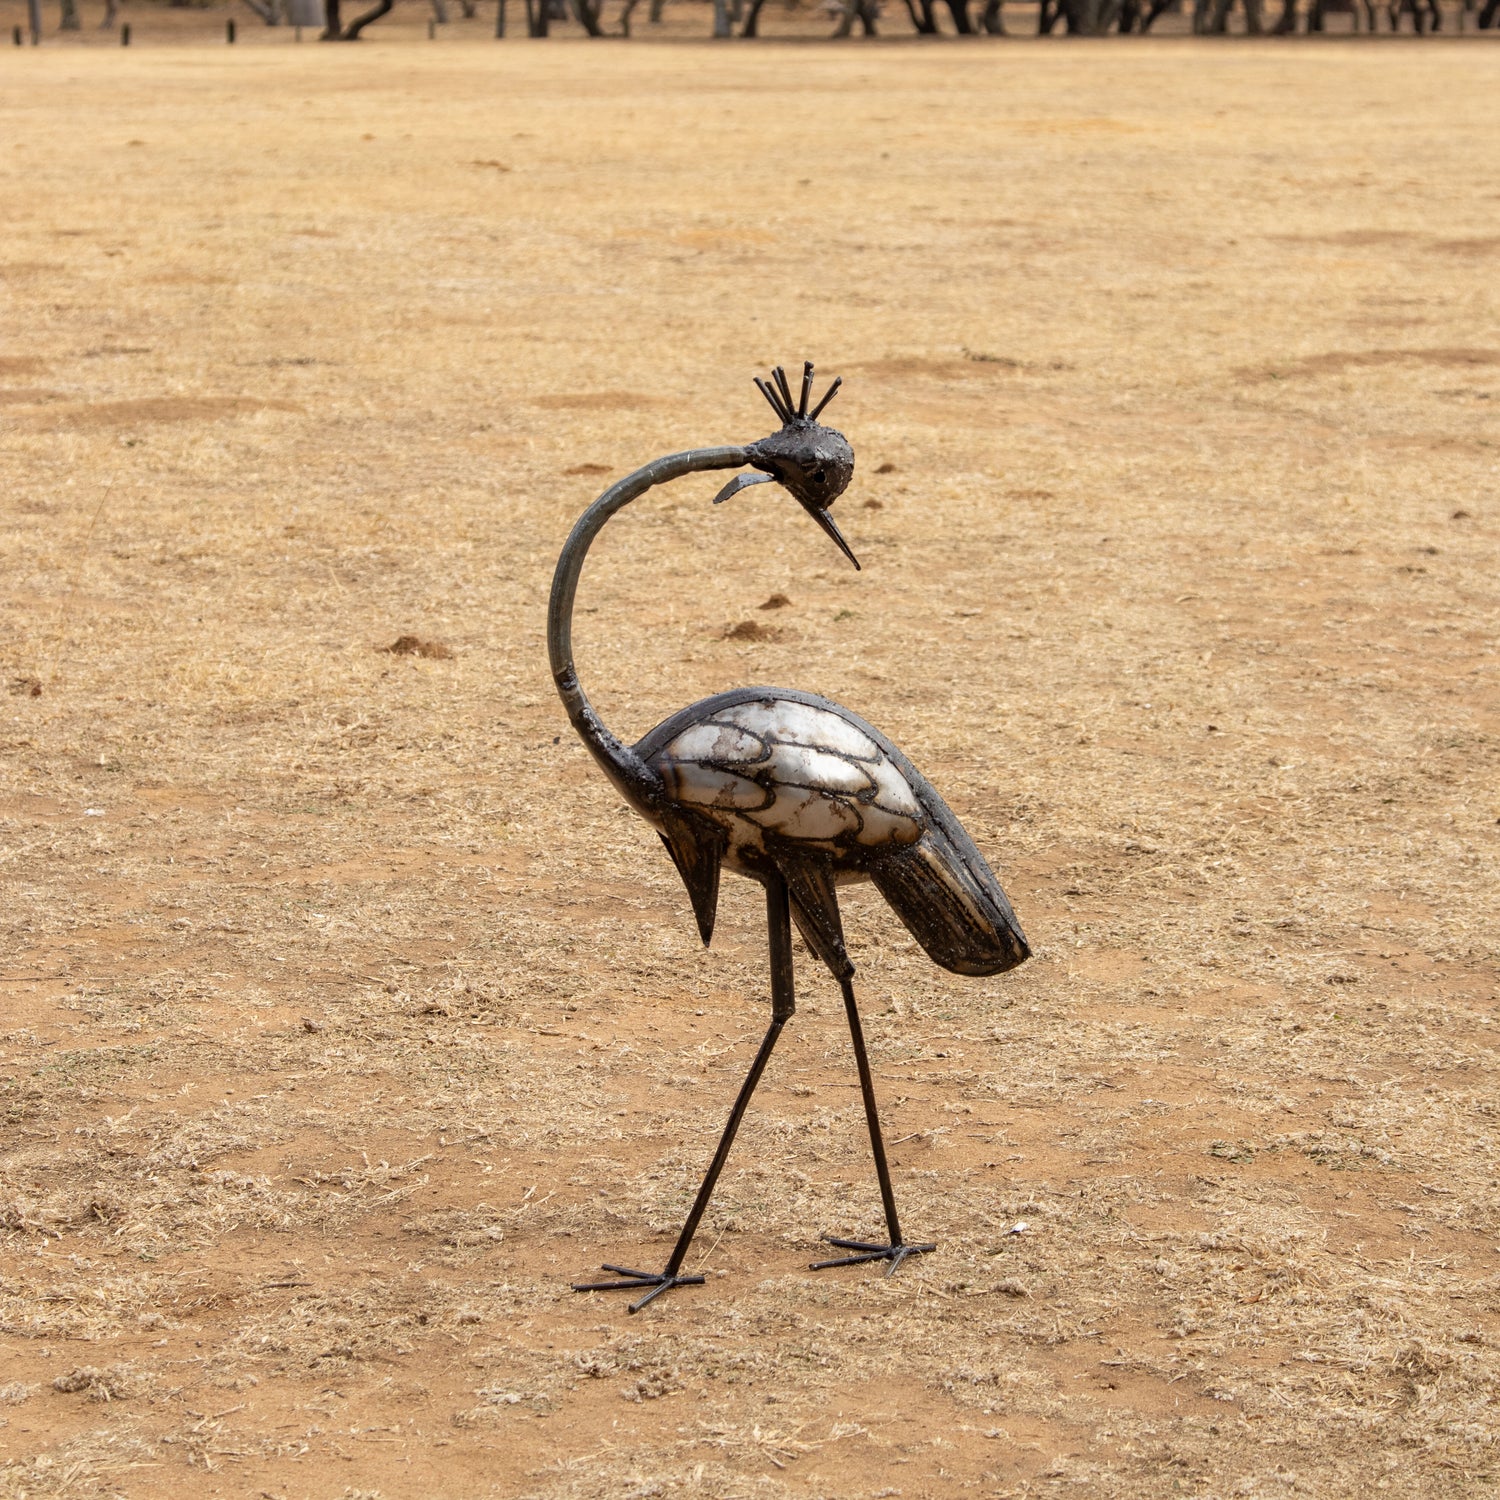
(793, 791)
(773, 780)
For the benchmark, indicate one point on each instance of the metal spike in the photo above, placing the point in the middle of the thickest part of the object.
(786, 390)
(782, 404)
(807, 379)
(770, 396)
(812, 416)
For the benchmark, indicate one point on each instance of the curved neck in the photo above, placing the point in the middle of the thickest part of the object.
(634, 779)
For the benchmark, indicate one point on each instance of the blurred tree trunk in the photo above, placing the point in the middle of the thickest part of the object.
(991, 19)
(587, 12)
(721, 19)
(358, 24)
(268, 10)
(1090, 17)
(111, 15)
(960, 12)
(922, 16)
(752, 18)
(68, 20)
(625, 15)
(656, 10)
(862, 11)
(334, 32)
(538, 17)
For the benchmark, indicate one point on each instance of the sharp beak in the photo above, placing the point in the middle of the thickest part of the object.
(745, 480)
(738, 483)
(831, 527)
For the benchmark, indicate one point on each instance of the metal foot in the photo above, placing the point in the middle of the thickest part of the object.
(893, 1253)
(897, 1249)
(658, 1282)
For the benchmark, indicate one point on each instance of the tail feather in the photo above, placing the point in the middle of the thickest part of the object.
(951, 902)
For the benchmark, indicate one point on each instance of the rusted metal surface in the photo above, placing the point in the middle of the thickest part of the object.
(793, 791)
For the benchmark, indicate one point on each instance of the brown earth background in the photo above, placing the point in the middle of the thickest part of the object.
(345, 1017)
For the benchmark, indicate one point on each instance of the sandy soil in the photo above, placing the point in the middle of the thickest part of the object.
(347, 1018)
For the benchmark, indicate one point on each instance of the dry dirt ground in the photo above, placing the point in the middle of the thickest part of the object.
(345, 1017)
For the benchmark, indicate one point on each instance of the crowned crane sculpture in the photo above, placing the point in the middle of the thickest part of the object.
(794, 792)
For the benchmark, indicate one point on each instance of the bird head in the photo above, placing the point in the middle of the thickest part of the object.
(813, 462)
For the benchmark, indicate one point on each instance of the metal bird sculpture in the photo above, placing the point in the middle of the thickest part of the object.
(794, 792)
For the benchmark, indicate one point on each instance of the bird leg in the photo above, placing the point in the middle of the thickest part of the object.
(783, 1005)
(896, 1250)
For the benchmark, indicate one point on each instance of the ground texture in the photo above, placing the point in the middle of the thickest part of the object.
(345, 1017)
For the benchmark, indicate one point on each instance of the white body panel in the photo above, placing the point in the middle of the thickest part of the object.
(776, 766)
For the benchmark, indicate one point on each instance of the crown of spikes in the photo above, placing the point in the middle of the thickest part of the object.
(780, 396)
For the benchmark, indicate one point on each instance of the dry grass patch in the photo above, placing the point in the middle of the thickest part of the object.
(346, 1018)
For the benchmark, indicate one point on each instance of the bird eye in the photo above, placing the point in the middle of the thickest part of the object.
(819, 475)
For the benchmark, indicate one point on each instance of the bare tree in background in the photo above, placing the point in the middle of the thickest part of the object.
(1079, 17)
(111, 15)
(334, 32)
(588, 14)
(68, 21)
(866, 12)
(1425, 15)
(971, 17)
(1216, 18)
